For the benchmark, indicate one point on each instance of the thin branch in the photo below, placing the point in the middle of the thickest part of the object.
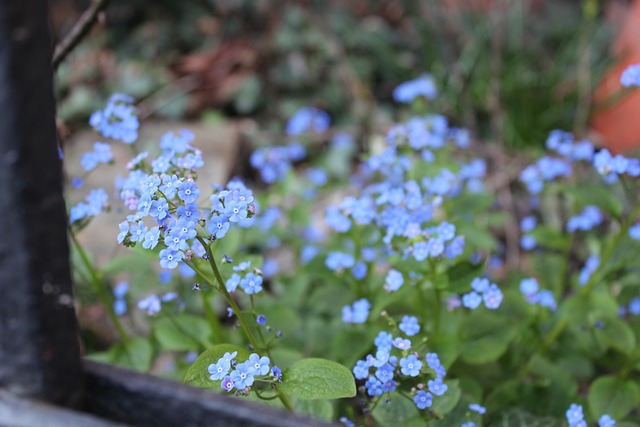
(77, 33)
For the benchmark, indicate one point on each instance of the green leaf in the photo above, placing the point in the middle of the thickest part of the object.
(616, 334)
(461, 275)
(520, 418)
(137, 354)
(550, 237)
(198, 375)
(398, 411)
(181, 333)
(484, 337)
(319, 409)
(444, 404)
(613, 396)
(318, 379)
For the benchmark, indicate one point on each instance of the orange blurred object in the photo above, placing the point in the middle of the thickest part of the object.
(618, 125)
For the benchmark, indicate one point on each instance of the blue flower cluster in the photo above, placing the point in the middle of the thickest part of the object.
(358, 312)
(631, 76)
(545, 169)
(590, 266)
(534, 295)
(575, 417)
(120, 303)
(610, 166)
(527, 225)
(422, 86)
(389, 369)
(242, 375)
(153, 303)
(308, 119)
(118, 120)
(249, 281)
(101, 154)
(485, 291)
(95, 202)
(274, 162)
(589, 218)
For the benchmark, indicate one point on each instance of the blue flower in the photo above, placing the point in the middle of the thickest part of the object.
(243, 375)
(151, 238)
(118, 120)
(170, 258)
(589, 268)
(188, 191)
(227, 384)
(261, 319)
(422, 399)
(251, 283)
(233, 282)
(410, 366)
(492, 297)
(529, 286)
(468, 424)
(383, 340)
(422, 86)
(276, 373)
(374, 386)
(590, 217)
(124, 231)
(356, 313)
(361, 370)
(634, 232)
(307, 119)
(151, 303)
(385, 373)
(471, 300)
(574, 414)
(409, 325)
(437, 387)
(138, 231)
(631, 76)
(260, 364)
(219, 370)
(218, 226)
(339, 260)
(477, 408)
(394, 280)
(606, 421)
(402, 344)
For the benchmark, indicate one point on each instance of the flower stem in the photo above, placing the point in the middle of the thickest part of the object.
(99, 289)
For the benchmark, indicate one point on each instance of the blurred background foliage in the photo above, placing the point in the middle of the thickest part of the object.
(510, 70)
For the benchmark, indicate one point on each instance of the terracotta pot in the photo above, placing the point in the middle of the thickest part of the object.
(617, 112)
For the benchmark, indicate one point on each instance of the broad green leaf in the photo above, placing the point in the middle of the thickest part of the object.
(484, 337)
(396, 412)
(137, 354)
(181, 333)
(319, 409)
(616, 334)
(198, 375)
(520, 418)
(444, 404)
(613, 396)
(549, 237)
(318, 379)
(461, 275)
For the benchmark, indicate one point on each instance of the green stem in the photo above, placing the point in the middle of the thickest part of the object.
(217, 333)
(102, 293)
(631, 361)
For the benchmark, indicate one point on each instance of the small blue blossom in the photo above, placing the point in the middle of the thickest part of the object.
(529, 286)
(251, 283)
(243, 375)
(492, 297)
(339, 260)
(422, 86)
(374, 386)
(394, 280)
(151, 238)
(402, 344)
(423, 400)
(170, 258)
(634, 232)
(152, 304)
(227, 384)
(409, 325)
(232, 282)
(410, 366)
(260, 364)
(471, 300)
(589, 268)
(308, 119)
(574, 414)
(118, 120)
(361, 370)
(631, 76)
(358, 312)
(590, 217)
(437, 387)
(606, 421)
(188, 191)
(385, 372)
(261, 319)
(477, 408)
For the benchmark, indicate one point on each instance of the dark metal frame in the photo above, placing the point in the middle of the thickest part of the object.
(43, 380)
